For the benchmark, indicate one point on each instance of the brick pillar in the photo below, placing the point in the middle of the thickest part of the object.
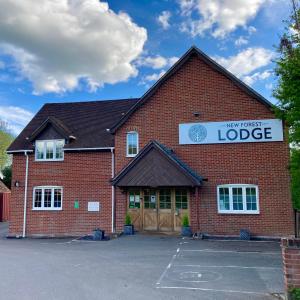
(291, 263)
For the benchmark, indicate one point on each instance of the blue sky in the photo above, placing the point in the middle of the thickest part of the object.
(60, 50)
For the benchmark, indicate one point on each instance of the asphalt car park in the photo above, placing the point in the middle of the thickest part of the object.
(139, 267)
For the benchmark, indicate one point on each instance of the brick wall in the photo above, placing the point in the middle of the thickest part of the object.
(291, 262)
(84, 177)
(196, 87)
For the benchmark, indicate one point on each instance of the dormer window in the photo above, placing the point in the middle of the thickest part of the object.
(47, 150)
(132, 145)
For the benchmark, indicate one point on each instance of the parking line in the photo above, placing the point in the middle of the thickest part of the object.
(231, 251)
(238, 267)
(212, 290)
(168, 267)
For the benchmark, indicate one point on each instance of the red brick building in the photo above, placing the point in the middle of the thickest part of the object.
(199, 142)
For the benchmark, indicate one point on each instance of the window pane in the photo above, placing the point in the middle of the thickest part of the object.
(57, 197)
(59, 149)
(149, 199)
(134, 199)
(49, 149)
(237, 198)
(181, 199)
(251, 198)
(47, 198)
(132, 143)
(39, 150)
(224, 199)
(165, 199)
(38, 198)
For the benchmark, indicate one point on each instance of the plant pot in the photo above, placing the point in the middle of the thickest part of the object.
(186, 231)
(128, 229)
(98, 234)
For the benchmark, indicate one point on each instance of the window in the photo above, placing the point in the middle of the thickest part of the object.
(49, 150)
(165, 199)
(47, 198)
(149, 199)
(238, 198)
(132, 144)
(181, 199)
(134, 199)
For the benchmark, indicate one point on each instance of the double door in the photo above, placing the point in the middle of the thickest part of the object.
(158, 209)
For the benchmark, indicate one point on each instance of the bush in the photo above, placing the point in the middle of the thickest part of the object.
(295, 293)
(127, 219)
(185, 221)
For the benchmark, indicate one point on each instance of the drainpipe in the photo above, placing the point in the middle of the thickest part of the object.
(112, 191)
(25, 196)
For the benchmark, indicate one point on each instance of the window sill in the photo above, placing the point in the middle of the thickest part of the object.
(238, 212)
(131, 155)
(47, 209)
(48, 160)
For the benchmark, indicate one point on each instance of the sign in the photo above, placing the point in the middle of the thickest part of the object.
(152, 199)
(93, 206)
(246, 131)
(76, 204)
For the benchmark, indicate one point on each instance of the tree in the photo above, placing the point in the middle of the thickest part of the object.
(7, 173)
(5, 140)
(288, 93)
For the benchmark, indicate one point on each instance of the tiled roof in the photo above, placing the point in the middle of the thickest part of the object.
(87, 121)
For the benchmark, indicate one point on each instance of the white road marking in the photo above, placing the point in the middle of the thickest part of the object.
(211, 290)
(238, 267)
(231, 251)
(168, 267)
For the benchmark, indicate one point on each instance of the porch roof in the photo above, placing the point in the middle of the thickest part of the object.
(157, 166)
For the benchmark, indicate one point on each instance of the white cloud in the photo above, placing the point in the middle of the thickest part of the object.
(251, 30)
(241, 41)
(61, 43)
(15, 117)
(250, 79)
(218, 17)
(156, 62)
(154, 76)
(164, 18)
(246, 61)
(187, 6)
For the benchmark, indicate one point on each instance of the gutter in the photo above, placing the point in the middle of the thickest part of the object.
(112, 192)
(25, 196)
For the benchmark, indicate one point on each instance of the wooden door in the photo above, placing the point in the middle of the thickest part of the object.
(165, 211)
(150, 210)
(181, 204)
(134, 208)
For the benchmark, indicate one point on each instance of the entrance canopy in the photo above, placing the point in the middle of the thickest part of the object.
(157, 166)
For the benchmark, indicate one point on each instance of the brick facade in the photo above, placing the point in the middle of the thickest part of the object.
(84, 177)
(291, 263)
(196, 87)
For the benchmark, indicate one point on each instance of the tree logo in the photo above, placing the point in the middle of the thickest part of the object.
(197, 133)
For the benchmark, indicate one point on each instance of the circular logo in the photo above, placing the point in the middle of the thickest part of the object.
(197, 133)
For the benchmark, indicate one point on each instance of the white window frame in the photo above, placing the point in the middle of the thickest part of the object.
(231, 210)
(43, 188)
(127, 144)
(45, 150)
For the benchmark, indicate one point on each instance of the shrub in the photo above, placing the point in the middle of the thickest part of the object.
(295, 293)
(127, 219)
(185, 221)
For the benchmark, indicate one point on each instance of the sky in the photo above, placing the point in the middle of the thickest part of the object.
(84, 50)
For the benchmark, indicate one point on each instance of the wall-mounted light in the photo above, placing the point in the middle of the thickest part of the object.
(196, 114)
(17, 183)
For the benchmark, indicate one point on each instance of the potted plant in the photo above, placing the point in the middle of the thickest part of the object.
(128, 227)
(186, 228)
